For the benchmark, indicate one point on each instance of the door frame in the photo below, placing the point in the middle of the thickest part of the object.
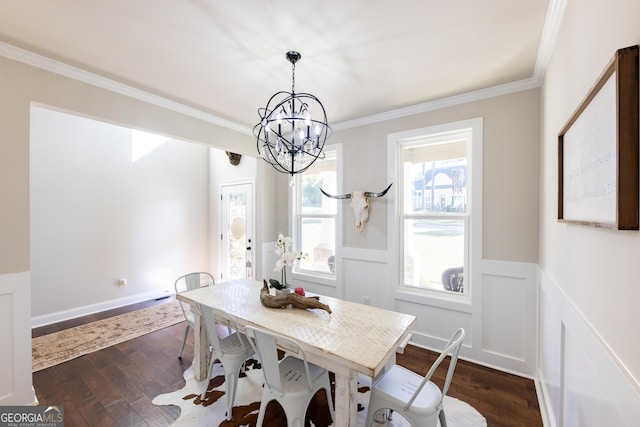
(252, 224)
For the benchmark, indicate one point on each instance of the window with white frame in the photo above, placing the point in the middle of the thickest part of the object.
(315, 216)
(434, 220)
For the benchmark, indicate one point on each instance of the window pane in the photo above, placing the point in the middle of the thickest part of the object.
(236, 235)
(431, 247)
(436, 186)
(322, 174)
(318, 243)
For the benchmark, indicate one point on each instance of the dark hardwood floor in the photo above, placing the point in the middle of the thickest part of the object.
(115, 386)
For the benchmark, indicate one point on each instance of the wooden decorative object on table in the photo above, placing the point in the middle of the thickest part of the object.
(295, 300)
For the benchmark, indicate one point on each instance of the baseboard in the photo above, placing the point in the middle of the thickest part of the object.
(467, 358)
(542, 403)
(59, 316)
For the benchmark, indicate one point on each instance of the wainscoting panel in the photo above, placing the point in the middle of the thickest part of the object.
(435, 325)
(365, 277)
(505, 316)
(582, 381)
(15, 334)
(503, 323)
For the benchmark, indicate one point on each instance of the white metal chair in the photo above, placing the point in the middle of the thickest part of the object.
(188, 282)
(231, 351)
(413, 396)
(292, 381)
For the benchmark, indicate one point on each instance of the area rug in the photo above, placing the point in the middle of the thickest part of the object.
(58, 347)
(211, 411)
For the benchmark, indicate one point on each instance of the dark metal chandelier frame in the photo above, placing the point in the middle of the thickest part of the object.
(292, 129)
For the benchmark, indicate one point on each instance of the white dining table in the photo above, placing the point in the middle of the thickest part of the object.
(353, 339)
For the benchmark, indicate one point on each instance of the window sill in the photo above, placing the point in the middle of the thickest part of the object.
(434, 298)
(319, 278)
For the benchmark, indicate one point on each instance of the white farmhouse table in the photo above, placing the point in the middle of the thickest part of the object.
(354, 338)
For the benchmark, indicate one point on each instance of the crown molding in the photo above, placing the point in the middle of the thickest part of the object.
(555, 13)
(438, 104)
(57, 67)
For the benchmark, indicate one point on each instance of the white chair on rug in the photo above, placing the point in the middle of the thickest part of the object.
(413, 396)
(188, 282)
(292, 381)
(231, 351)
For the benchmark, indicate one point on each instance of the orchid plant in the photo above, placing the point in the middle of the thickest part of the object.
(287, 258)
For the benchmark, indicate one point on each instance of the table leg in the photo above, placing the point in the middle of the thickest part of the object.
(346, 400)
(200, 349)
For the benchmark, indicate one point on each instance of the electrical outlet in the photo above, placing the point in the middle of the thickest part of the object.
(122, 283)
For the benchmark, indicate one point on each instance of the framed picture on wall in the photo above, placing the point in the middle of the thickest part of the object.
(598, 181)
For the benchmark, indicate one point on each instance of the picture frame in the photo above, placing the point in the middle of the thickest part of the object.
(598, 181)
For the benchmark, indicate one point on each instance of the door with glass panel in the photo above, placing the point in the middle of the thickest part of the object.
(236, 231)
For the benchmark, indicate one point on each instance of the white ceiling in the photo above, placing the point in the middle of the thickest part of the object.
(226, 58)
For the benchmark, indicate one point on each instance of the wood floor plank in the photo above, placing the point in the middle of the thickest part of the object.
(72, 415)
(124, 414)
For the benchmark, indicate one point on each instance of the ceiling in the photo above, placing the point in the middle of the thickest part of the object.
(226, 58)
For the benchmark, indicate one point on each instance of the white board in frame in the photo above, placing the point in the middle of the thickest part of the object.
(598, 180)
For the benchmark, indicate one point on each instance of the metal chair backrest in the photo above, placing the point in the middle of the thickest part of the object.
(266, 346)
(189, 282)
(210, 319)
(452, 348)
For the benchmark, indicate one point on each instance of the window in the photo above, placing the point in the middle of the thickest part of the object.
(434, 219)
(315, 216)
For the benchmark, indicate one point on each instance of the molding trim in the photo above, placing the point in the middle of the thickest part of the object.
(542, 400)
(363, 254)
(465, 353)
(553, 19)
(438, 104)
(57, 67)
(555, 13)
(60, 316)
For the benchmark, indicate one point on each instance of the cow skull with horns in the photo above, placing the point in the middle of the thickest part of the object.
(359, 203)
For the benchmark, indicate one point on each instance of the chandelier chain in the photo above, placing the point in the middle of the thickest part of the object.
(293, 77)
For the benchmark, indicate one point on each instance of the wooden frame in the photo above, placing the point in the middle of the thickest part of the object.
(598, 181)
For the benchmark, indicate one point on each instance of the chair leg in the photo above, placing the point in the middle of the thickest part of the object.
(184, 341)
(232, 385)
(206, 383)
(263, 406)
(443, 418)
(330, 402)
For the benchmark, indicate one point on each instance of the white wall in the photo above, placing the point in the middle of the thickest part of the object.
(589, 352)
(99, 215)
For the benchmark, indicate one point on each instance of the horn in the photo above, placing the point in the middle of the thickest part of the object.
(382, 193)
(342, 196)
